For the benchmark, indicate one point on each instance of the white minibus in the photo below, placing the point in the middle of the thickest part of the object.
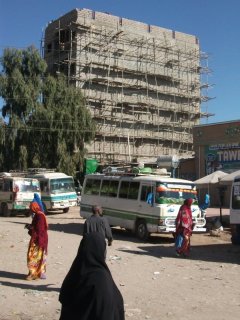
(16, 193)
(235, 211)
(144, 204)
(57, 190)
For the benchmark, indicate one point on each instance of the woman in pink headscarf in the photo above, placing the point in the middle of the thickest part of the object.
(184, 226)
(37, 250)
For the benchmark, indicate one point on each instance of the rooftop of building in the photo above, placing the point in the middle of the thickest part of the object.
(217, 123)
(125, 23)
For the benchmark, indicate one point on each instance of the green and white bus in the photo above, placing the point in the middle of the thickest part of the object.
(57, 190)
(16, 193)
(144, 204)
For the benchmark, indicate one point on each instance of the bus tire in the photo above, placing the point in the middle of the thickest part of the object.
(65, 210)
(141, 230)
(5, 211)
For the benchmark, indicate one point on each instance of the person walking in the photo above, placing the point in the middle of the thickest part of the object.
(203, 207)
(98, 223)
(184, 226)
(37, 249)
(37, 198)
(88, 291)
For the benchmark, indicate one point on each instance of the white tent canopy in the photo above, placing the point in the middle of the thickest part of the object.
(228, 179)
(212, 178)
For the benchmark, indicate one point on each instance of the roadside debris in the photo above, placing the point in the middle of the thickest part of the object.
(215, 227)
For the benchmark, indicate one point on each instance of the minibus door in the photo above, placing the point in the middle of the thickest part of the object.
(147, 200)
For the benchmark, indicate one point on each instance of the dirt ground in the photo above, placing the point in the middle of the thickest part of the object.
(155, 284)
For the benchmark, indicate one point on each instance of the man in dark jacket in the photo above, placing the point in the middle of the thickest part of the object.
(98, 223)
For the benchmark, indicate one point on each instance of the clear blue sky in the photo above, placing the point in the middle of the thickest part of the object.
(215, 22)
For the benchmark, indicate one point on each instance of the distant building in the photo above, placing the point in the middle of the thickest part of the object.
(187, 169)
(217, 147)
(141, 82)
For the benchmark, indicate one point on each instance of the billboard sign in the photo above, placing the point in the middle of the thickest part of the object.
(224, 157)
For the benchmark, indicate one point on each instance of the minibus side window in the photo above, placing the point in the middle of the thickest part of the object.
(92, 186)
(123, 192)
(105, 188)
(7, 185)
(129, 190)
(133, 190)
(113, 188)
(109, 188)
(44, 186)
(145, 192)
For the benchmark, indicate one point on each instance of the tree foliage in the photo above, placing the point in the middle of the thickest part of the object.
(47, 120)
(21, 81)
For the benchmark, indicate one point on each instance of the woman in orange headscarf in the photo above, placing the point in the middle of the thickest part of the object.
(37, 250)
(184, 226)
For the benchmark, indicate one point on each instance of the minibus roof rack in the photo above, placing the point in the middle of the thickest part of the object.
(5, 174)
(17, 173)
(40, 170)
(24, 173)
(135, 171)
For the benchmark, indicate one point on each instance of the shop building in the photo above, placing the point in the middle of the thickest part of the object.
(217, 147)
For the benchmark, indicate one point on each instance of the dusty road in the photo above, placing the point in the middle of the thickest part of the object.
(155, 284)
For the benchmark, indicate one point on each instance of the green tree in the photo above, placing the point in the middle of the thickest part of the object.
(62, 125)
(21, 82)
(20, 87)
(48, 122)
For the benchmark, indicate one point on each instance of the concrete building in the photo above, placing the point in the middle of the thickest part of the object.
(142, 83)
(217, 147)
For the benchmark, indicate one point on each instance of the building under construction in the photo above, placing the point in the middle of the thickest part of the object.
(142, 83)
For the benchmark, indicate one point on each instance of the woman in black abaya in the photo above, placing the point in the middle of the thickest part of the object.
(88, 292)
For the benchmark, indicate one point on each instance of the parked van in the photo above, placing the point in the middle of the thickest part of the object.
(57, 189)
(235, 211)
(16, 193)
(143, 203)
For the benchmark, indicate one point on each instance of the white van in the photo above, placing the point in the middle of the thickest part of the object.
(235, 211)
(57, 190)
(144, 204)
(16, 193)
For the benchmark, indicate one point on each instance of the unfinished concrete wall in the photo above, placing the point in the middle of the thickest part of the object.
(141, 82)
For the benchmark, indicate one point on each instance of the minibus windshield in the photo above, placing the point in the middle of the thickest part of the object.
(62, 185)
(174, 192)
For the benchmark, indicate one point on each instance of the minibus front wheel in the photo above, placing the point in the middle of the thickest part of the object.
(141, 229)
